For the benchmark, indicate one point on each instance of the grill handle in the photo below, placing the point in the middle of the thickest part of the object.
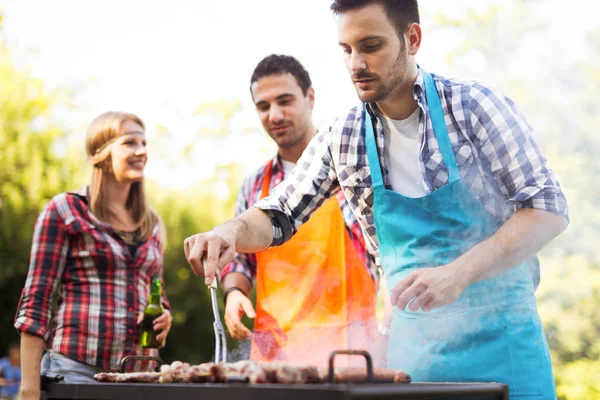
(48, 378)
(139, 358)
(365, 354)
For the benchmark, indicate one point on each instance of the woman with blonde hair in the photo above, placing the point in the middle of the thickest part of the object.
(97, 249)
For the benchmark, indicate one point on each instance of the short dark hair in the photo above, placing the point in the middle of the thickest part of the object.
(400, 12)
(14, 346)
(278, 64)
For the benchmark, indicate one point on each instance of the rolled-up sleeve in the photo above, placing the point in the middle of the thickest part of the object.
(48, 257)
(294, 200)
(511, 155)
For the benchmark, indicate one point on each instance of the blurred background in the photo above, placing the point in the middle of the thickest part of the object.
(185, 68)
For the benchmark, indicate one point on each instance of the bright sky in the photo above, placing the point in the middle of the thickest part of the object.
(162, 60)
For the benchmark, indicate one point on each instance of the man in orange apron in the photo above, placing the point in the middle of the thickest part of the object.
(316, 293)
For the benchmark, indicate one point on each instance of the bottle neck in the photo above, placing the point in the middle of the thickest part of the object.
(155, 292)
(154, 299)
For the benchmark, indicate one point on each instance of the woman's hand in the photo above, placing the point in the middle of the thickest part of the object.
(163, 324)
(32, 348)
(30, 393)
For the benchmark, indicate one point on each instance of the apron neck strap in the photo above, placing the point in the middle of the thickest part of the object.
(436, 113)
(268, 172)
(372, 155)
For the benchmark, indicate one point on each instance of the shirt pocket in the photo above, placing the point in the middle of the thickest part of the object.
(355, 181)
(436, 169)
(153, 261)
(87, 243)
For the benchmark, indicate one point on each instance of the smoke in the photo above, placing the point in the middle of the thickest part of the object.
(242, 352)
(313, 345)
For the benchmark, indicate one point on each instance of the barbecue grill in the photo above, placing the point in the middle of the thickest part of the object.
(53, 388)
(237, 391)
(371, 388)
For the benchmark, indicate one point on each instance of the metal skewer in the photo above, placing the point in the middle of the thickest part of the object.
(220, 337)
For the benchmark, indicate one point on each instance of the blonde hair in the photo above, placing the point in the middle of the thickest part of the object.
(102, 132)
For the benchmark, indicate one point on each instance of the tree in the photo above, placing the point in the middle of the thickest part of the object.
(31, 172)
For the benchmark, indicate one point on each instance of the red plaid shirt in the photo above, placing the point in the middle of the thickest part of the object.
(250, 193)
(102, 288)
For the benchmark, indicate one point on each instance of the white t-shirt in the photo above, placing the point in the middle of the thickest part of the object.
(288, 166)
(402, 154)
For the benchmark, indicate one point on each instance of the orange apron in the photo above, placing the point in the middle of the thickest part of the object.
(313, 294)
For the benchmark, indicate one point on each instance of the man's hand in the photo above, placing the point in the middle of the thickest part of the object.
(429, 288)
(216, 247)
(237, 305)
(249, 232)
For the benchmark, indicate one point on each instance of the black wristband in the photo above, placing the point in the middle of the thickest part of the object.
(231, 289)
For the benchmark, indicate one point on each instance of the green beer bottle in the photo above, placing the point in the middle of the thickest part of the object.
(153, 310)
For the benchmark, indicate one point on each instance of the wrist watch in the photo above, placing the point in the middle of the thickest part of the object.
(383, 330)
(231, 289)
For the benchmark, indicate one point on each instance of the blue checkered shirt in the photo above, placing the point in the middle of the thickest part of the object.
(498, 159)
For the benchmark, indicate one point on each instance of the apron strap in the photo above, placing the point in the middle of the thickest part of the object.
(372, 155)
(268, 172)
(436, 113)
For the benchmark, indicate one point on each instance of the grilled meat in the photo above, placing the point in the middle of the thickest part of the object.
(252, 372)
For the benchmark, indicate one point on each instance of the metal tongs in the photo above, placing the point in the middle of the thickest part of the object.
(220, 337)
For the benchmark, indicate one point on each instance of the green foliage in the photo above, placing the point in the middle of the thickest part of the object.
(30, 174)
(569, 308)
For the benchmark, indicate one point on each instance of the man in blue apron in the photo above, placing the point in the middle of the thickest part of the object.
(454, 198)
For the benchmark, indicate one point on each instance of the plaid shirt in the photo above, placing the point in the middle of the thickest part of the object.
(497, 156)
(102, 288)
(250, 193)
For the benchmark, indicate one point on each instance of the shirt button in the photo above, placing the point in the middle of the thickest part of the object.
(130, 309)
(131, 331)
(130, 287)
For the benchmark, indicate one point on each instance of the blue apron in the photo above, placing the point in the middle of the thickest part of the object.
(492, 332)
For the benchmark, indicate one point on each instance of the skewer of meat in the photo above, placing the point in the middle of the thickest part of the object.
(146, 377)
(356, 374)
(252, 372)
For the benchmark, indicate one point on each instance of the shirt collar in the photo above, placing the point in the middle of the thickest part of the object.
(277, 173)
(419, 86)
(83, 193)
